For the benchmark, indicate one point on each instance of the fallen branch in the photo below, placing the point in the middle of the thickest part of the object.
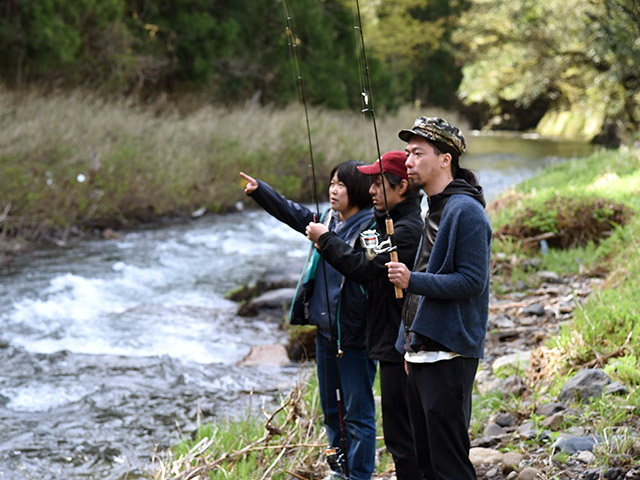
(5, 213)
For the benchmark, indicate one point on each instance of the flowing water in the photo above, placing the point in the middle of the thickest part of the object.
(114, 348)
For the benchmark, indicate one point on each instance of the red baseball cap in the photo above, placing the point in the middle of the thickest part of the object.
(392, 162)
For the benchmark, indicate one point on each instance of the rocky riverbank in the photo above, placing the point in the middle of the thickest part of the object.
(529, 432)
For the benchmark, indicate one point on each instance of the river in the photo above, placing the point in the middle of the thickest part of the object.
(114, 348)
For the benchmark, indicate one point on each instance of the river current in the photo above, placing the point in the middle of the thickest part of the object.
(112, 349)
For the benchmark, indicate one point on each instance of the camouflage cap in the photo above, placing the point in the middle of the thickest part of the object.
(436, 129)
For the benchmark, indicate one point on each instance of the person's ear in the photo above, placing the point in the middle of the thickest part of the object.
(445, 160)
(402, 187)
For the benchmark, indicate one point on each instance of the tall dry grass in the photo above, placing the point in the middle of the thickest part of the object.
(74, 159)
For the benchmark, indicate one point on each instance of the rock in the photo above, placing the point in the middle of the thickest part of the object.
(613, 473)
(503, 322)
(485, 442)
(109, 234)
(511, 461)
(592, 474)
(302, 343)
(549, 409)
(492, 472)
(281, 276)
(513, 385)
(530, 473)
(480, 456)
(573, 444)
(616, 388)
(633, 474)
(531, 264)
(527, 431)
(554, 422)
(534, 309)
(585, 385)
(493, 430)
(518, 361)
(586, 457)
(551, 277)
(486, 383)
(199, 212)
(262, 355)
(504, 419)
(279, 298)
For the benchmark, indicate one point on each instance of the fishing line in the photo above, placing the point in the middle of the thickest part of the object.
(336, 351)
(367, 99)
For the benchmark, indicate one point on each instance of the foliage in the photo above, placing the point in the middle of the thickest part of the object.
(136, 164)
(511, 63)
(45, 37)
(234, 51)
(414, 37)
(566, 222)
(626, 369)
(290, 440)
(563, 54)
(603, 331)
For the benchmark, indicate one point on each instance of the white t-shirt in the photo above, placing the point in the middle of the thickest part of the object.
(429, 357)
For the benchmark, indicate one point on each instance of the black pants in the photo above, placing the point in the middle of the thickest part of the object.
(440, 412)
(395, 420)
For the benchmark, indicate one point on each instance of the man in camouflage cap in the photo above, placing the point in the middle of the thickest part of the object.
(447, 299)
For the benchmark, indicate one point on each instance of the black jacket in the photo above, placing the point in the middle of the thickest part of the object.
(383, 309)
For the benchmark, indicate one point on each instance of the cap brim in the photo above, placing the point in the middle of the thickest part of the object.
(406, 134)
(370, 169)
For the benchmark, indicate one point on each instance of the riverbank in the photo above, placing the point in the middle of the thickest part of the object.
(74, 163)
(557, 315)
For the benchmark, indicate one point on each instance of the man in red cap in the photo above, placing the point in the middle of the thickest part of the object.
(383, 310)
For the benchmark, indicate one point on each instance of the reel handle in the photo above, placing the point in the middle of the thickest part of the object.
(393, 254)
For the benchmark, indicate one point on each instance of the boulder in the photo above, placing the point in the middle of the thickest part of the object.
(266, 355)
(585, 385)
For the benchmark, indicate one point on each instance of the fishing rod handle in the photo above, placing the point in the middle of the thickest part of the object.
(393, 254)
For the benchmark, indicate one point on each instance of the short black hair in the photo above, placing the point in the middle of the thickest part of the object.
(356, 183)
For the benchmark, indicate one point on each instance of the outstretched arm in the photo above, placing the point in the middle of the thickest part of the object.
(295, 215)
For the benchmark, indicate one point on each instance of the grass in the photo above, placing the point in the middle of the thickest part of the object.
(603, 331)
(288, 443)
(74, 161)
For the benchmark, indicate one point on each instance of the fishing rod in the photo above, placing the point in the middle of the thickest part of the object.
(367, 99)
(336, 351)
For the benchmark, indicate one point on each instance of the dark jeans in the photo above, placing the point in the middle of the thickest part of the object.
(356, 372)
(398, 437)
(440, 412)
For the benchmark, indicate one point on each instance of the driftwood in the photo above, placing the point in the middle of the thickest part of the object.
(299, 448)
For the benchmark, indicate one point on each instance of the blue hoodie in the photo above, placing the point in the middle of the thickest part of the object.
(453, 292)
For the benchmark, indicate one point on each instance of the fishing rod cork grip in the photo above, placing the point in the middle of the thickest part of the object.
(394, 253)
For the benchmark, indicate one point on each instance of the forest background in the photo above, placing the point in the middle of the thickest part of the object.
(568, 67)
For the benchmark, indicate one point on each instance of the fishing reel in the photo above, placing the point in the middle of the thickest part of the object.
(335, 459)
(370, 240)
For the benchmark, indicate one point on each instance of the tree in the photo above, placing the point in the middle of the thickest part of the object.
(529, 55)
(414, 37)
(39, 37)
